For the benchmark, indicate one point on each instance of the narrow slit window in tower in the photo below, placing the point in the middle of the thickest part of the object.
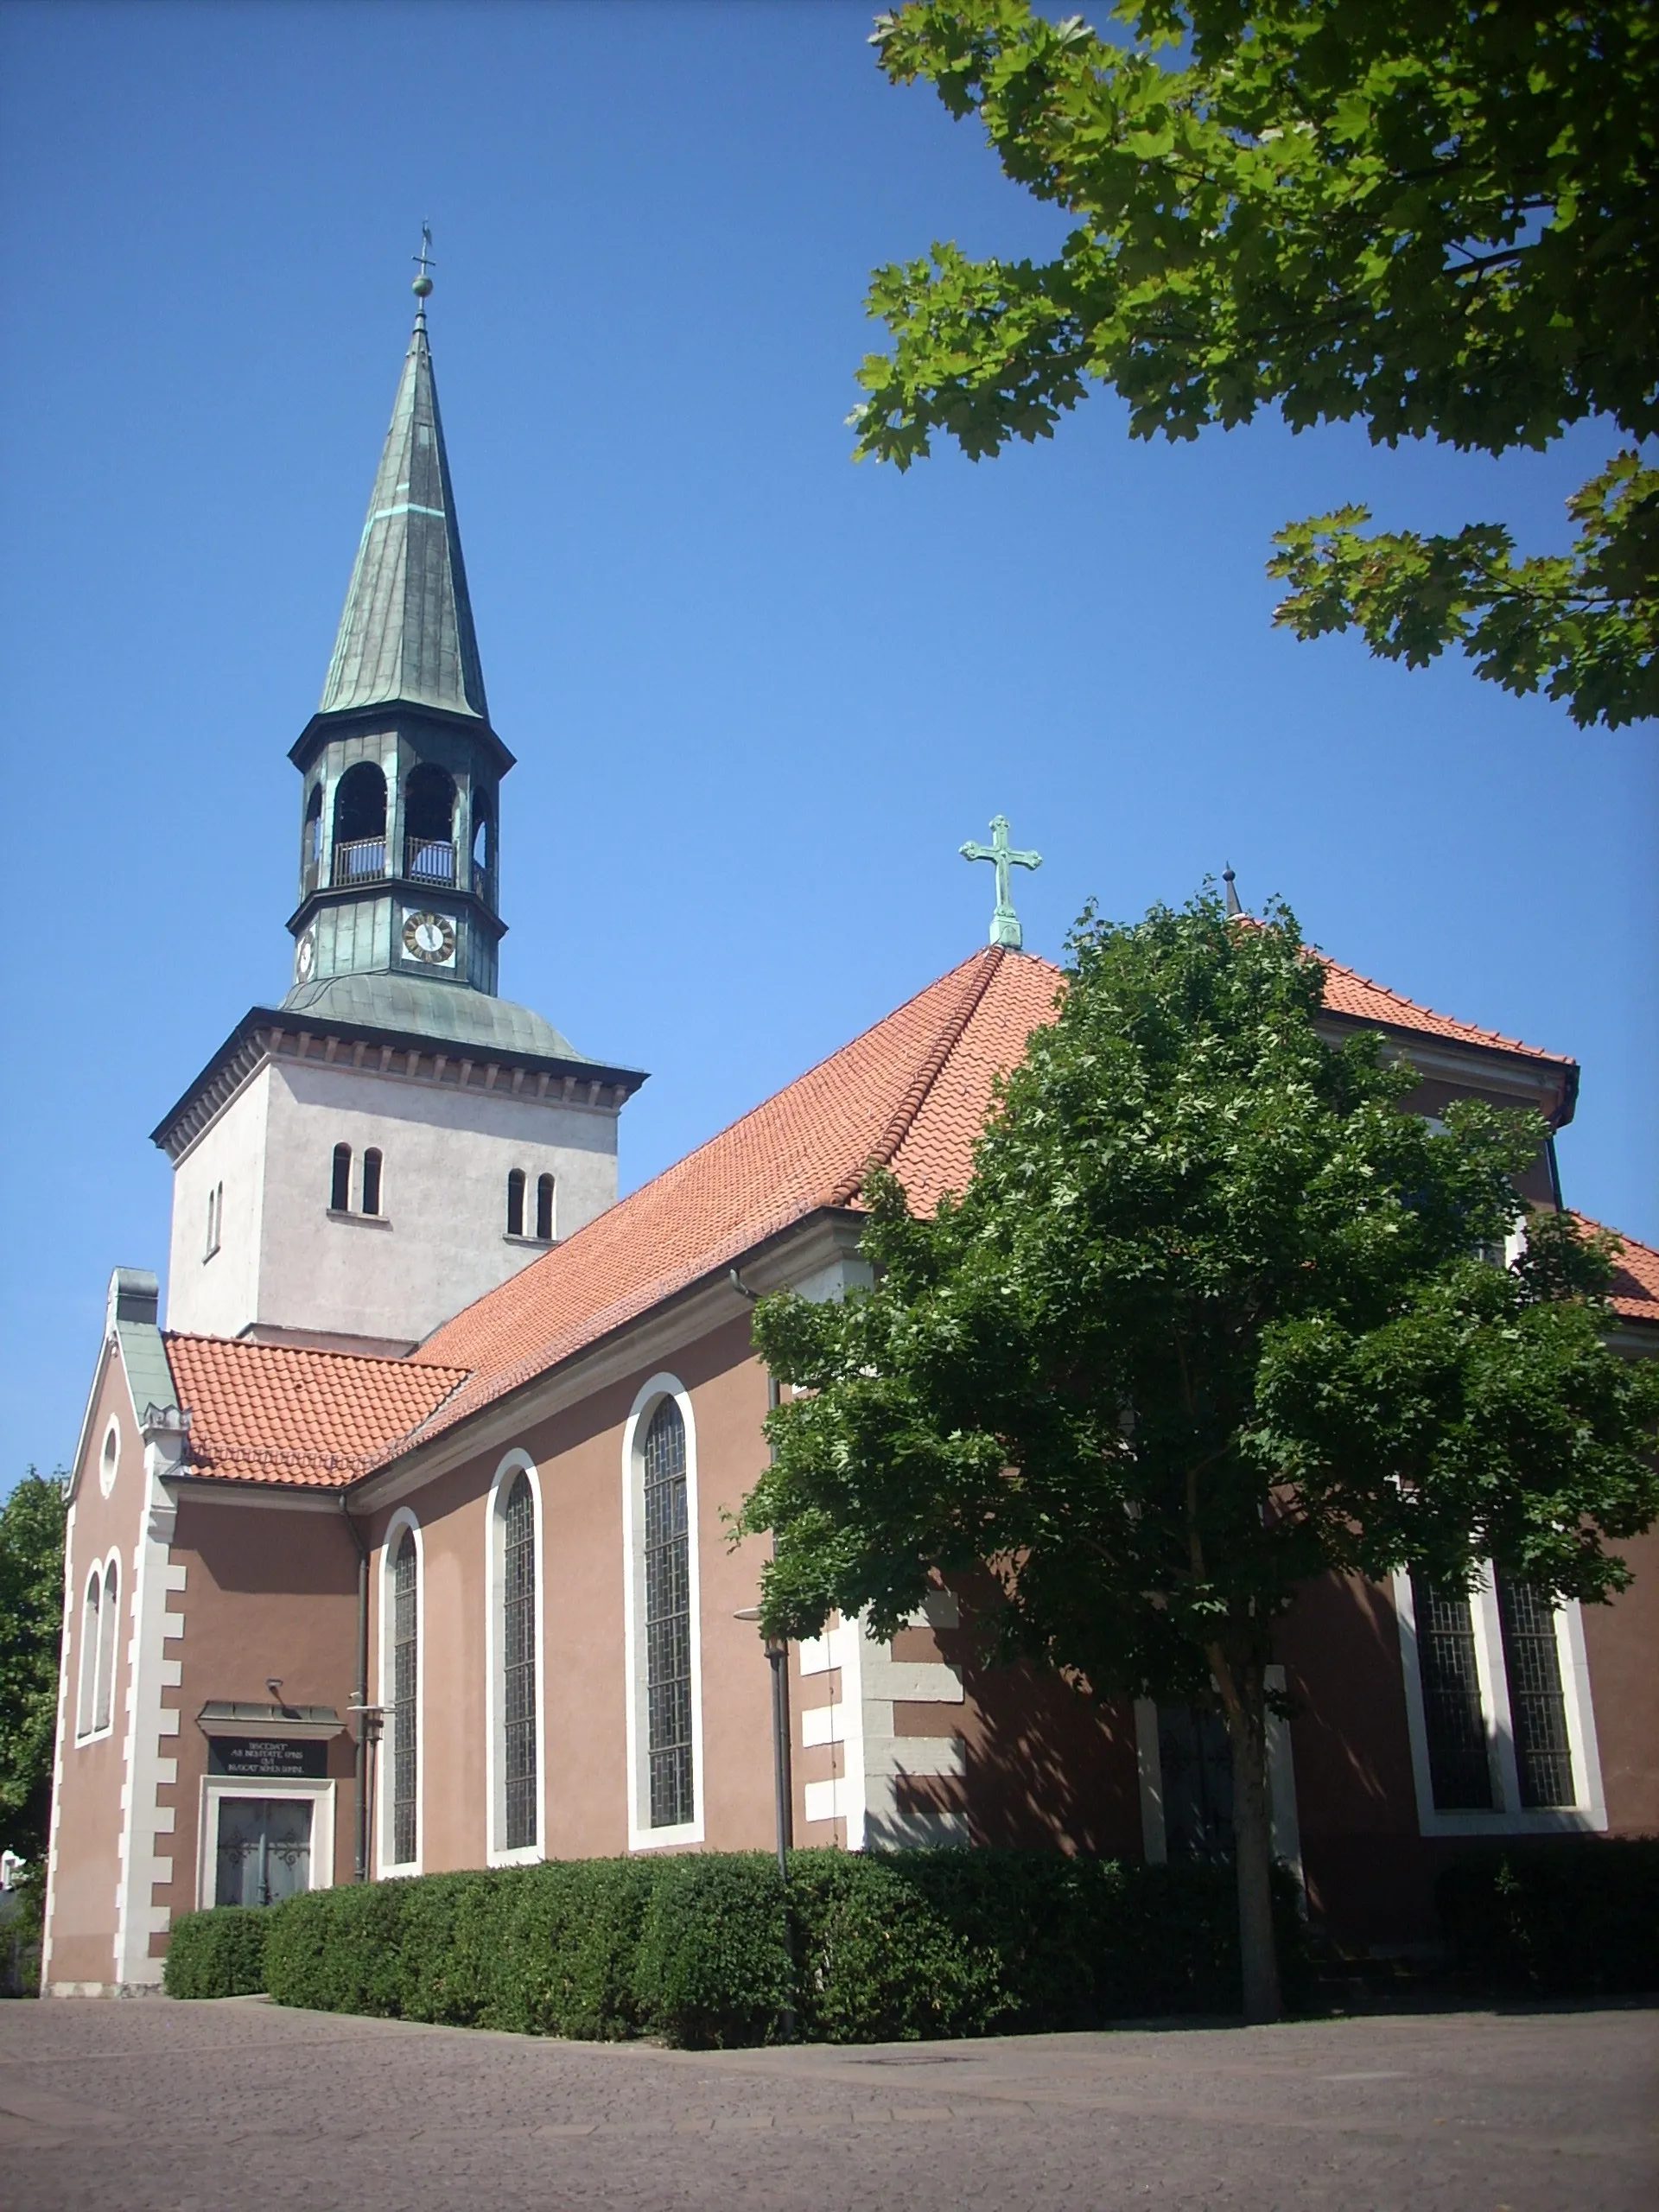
(371, 1181)
(516, 1203)
(544, 1208)
(339, 1199)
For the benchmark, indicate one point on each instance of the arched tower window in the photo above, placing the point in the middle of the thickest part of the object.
(86, 1694)
(311, 841)
(483, 846)
(429, 825)
(516, 1203)
(544, 1208)
(370, 1181)
(360, 824)
(668, 1619)
(108, 1622)
(405, 1714)
(518, 1663)
(339, 1189)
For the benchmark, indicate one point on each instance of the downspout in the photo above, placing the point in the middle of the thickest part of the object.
(1554, 1172)
(361, 1698)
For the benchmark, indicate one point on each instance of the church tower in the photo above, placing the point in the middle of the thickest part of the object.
(355, 1165)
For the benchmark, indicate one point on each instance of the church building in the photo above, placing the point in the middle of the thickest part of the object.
(400, 1547)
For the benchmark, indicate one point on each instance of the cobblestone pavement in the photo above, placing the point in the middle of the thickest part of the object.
(215, 2107)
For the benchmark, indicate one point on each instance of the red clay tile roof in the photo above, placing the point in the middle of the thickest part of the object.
(1356, 996)
(913, 1092)
(1636, 1275)
(277, 1414)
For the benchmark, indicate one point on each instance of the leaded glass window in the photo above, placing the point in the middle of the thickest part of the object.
(405, 1662)
(1195, 1761)
(1459, 1770)
(1543, 1756)
(668, 1619)
(264, 1851)
(518, 1662)
(108, 1645)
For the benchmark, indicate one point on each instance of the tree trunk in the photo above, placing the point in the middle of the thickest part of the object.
(1247, 1725)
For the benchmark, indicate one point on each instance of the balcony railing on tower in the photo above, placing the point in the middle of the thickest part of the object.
(361, 860)
(429, 861)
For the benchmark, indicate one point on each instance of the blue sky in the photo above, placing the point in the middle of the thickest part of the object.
(758, 695)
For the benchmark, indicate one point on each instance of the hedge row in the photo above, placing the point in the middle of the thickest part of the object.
(706, 1949)
(1558, 1918)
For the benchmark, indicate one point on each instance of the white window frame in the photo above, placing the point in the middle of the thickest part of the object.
(1506, 1816)
(385, 1864)
(496, 1853)
(641, 1835)
(216, 1786)
(1281, 1782)
(109, 1645)
(109, 1459)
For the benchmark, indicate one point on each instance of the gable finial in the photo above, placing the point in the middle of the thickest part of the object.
(422, 287)
(1233, 906)
(1005, 923)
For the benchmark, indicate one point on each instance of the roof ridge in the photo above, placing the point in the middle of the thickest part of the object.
(750, 1114)
(1496, 1037)
(403, 1361)
(903, 1115)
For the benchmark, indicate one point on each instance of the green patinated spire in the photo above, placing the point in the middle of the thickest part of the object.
(407, 630)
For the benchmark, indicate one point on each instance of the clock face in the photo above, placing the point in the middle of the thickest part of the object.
(305, 957)
(431, 938)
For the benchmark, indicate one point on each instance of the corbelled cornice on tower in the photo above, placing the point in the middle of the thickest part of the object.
(406, 633)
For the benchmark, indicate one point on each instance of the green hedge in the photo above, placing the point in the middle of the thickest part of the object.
(705, 1949)
(1559, 1916)
(218, 1953)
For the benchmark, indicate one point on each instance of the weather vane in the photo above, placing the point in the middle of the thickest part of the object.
(422, 284)
(1005, 923)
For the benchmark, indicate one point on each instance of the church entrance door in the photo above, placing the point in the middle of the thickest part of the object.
(264, 1849)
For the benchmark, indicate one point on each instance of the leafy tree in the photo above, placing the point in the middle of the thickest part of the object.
(31, 1623)
(1441, 220)
(1208, 1321)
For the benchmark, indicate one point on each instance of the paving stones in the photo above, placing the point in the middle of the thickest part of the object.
(165, 2107)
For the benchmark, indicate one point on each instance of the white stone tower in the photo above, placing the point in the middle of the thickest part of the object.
(356, 1165)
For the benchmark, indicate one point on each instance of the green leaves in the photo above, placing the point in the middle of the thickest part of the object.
(31, 1621)
(1441, 222)
(1207, 1322)
(1584, 625)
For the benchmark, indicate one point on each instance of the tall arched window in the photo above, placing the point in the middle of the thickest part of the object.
(483, 847)
(668, 1619)
(87, 1694)
(405, 1714)
(370, 1181)
(429, 825)
(108, 1623)
(360, 825)
(516, 1203)
(311, 839)
(518, 1663)
(339, 1199)
(544, 1208)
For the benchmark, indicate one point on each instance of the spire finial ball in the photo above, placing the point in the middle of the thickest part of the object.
(421, 286)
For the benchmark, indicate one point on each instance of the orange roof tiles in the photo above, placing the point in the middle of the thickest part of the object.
(278, 1413)
(912, 1091)
(1358, 997)
(1636, 1276)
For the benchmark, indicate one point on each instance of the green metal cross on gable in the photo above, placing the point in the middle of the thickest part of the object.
(1005, 923)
